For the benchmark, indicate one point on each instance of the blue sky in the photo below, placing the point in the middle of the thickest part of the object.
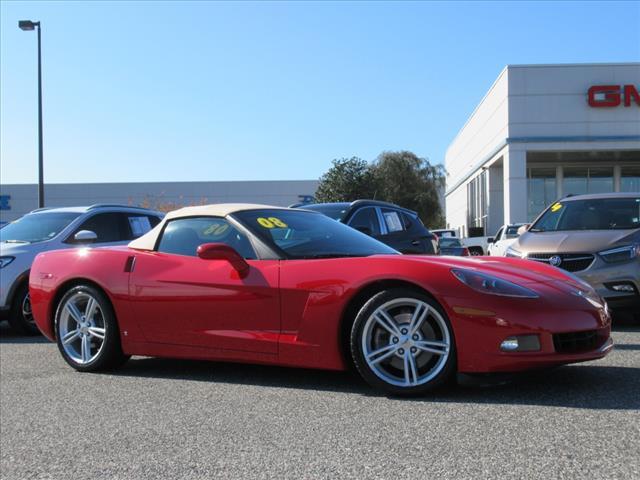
(163, 91)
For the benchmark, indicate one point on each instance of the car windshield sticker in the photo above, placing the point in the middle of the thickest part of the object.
(139, 225)
(392, 219)
(215, 230)
(271, 222)
(556, 206)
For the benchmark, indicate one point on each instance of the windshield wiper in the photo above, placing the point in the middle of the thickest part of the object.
(15, 241)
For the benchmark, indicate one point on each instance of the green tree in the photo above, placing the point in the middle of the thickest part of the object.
(348, 179)
(412, 182)
(400, 177)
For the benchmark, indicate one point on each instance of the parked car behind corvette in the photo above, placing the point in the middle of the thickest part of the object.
(597, 237)
(453, 246)
(504, 237)
(58, 228)
(398, 227)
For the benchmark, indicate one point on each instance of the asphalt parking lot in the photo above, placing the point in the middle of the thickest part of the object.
(191, 420)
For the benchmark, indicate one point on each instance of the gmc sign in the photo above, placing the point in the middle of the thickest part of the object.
(613, 95)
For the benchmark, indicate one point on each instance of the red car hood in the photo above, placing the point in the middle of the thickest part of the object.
(513, 269)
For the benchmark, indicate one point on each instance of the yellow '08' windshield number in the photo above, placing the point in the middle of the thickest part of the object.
(271, 222)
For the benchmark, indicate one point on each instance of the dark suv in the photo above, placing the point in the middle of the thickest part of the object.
(398, 227)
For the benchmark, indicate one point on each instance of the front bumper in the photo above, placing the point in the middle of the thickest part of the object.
(568, 328)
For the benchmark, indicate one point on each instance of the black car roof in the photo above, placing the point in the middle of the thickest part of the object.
(361, 203)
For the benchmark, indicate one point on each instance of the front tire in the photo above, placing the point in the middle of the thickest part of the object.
(21, 317)
(402, 342)
(87, 332)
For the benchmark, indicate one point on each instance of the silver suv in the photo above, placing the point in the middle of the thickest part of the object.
(52, 229)
(595, 236)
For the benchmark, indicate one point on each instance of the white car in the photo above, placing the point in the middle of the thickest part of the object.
(507, 234)
(56, 228)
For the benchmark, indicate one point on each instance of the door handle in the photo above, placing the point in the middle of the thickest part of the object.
(415, 243)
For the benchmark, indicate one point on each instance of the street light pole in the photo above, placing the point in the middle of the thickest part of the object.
(29, 25)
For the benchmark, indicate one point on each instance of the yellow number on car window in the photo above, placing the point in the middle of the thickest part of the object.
(556, 206)
(277, 222)
(265, 223)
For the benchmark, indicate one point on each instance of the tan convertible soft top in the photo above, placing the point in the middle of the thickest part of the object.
(149, 239)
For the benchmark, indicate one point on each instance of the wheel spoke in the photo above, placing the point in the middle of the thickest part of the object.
(70, 336)
(380, 354)
(90, 309)
(86, 348)
(419, 315)
(410, 371)
(387, 322)
(439, 348)
(97, 332)
(74, 312)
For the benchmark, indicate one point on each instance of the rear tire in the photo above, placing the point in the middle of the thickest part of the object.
(87, 332)
(20, 317)
(402, 342)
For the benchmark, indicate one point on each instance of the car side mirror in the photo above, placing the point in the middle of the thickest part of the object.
(365, 230)
(222, 251)
(491, 240)
(524, 228)
(85, 236)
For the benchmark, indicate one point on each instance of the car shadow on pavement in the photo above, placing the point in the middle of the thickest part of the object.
(7, 335)
(577, 386)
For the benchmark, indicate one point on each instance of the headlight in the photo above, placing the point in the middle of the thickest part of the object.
(484, 283)
(621, 254)
(4, 261)
(512, 252)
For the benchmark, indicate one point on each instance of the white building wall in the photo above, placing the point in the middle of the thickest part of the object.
(551, 101)
(456, 209)
(486, 127)
(280, 193)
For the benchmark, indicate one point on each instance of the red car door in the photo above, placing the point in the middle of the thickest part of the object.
(182, 299)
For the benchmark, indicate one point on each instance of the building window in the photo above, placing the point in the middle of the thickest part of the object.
(477, 205)
(581, 180)
(630, 179)
(600, 180)
(541, 186)
(575, 181)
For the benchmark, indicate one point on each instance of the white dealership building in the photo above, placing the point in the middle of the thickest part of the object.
(542, 132)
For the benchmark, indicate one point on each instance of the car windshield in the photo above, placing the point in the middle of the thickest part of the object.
(302, 234)
(336, 211)
(590, 214)
(449, 242)
(36, 227)
(512, 231)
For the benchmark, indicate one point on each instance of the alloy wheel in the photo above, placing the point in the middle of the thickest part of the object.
(82, 328)
(27, 313)
(406, 342)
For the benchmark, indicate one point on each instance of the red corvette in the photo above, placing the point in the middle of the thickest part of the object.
(250, 283)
